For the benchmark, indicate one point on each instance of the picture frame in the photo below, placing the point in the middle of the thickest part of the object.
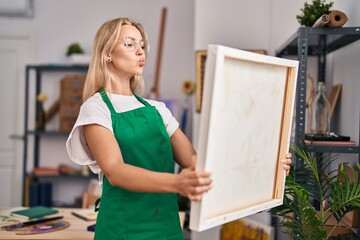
(200, 61)
(245, 129)
(333, 97)
(246, 228)
(17, 9)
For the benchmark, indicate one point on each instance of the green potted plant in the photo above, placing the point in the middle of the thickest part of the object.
(74, 48)
(313, 11)
(76, 54)
(303, 214)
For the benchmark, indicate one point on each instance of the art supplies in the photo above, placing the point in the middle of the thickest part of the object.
(85, 214)
(29, 223)
(34, 212)
(44, 228)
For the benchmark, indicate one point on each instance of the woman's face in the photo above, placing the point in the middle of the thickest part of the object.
(128, 57)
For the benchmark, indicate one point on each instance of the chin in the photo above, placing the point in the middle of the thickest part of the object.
(139, 72)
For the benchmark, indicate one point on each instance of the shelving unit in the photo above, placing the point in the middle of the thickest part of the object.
(31, 132)
(317, 42)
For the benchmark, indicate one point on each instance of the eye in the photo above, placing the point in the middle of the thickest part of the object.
(129, 44)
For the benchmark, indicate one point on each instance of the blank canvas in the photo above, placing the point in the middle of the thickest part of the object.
(245, 128)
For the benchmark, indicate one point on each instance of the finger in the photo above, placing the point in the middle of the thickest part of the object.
(286, 161)
(202, 174)
(202, 189)
(195, 198)
(204, 181)
(289, 155)
(286, 167)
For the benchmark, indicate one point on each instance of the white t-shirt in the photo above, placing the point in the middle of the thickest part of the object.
(95, 111)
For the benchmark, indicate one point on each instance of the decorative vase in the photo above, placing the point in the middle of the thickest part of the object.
(40, 118)
(320, 112)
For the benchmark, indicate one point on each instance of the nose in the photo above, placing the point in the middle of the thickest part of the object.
(139, 50)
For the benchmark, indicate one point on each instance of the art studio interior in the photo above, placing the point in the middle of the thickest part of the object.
(246, 82)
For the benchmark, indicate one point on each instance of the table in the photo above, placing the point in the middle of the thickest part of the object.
(76, 231)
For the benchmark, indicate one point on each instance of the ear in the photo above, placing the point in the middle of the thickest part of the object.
(108, 57)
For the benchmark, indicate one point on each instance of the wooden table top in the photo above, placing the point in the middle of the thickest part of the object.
(77, 229)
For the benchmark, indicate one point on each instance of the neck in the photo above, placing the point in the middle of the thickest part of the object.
(118, 86)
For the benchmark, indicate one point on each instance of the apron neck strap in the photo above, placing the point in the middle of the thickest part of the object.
(111, 107)
(107, 100)
(141, 100)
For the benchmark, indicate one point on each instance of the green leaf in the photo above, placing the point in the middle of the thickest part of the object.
(311, 12)
(301, 218)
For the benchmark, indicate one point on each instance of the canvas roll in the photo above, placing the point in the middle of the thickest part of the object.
(322, 21)
(337, 19)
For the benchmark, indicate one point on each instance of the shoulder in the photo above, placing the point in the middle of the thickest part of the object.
(164, 109)
(94, 111)
(156, 103)
(160, 106)
(94, 106)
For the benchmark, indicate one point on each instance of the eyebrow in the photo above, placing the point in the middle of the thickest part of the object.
(134, 38)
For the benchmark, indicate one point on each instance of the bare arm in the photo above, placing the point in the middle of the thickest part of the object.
(106, 151)
(182, 149)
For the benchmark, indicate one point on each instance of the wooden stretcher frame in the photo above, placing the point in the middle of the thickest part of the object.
(245, 130)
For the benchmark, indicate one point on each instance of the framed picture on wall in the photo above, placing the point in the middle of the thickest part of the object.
(200, 61)
(245, 128)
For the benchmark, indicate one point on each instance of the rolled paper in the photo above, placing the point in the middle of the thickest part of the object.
(322, 21)
(337, 19)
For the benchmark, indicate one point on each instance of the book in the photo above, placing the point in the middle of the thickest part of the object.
(85, 214)
(45, 194)
(46, 171)
(326, 137)
(330, 143)
(40, 194)
(34, 194)
(34, 212)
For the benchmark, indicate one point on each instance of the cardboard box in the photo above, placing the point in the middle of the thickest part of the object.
(350, 220)
(344, 226)
(66, 125)
(71, 96)
(69, 110)
(72, 88)
(74, 82)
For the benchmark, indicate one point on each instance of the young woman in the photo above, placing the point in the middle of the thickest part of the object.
(132, 142)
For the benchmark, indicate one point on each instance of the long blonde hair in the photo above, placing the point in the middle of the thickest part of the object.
(104, 42)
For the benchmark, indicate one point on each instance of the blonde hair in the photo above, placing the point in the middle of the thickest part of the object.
(104, 42)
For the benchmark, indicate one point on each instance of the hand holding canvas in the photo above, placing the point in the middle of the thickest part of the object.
(287, 163)
(193, 184)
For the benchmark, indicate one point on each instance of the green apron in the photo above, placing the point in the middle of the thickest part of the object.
(128, 215)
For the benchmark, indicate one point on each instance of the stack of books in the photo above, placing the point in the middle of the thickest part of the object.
(330, 139)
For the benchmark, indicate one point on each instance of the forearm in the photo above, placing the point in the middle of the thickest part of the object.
(138, 179)
(183, 150)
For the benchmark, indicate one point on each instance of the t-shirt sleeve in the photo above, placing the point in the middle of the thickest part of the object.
(170, 122)
(91, 112)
